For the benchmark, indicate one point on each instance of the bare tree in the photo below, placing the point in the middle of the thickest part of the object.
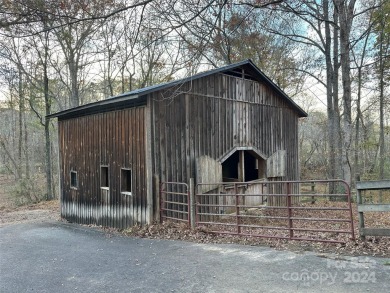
(14, 14)
(382, 29)
(74, 40)
(320, 22)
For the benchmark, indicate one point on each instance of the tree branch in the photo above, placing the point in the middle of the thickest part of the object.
(28, 21)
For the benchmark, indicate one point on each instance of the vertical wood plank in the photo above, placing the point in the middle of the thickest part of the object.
(217, 113)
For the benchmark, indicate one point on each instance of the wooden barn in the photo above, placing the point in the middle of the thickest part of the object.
(233, 117)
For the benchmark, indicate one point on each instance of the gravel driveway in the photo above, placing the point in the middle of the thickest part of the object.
(60, 257)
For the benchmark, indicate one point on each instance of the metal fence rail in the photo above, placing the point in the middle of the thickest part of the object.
(306, 210)
(174, 202)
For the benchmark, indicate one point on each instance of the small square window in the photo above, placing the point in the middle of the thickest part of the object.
(126, 180)
(73, 180)
(104, 179)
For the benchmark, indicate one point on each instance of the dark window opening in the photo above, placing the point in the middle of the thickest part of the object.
(73, 179)
(230, 168)
(126, 180)
(243, 166)
(104, 179)
(250, 164)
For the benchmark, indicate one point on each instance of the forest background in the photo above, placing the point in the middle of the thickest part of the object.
(331, 57)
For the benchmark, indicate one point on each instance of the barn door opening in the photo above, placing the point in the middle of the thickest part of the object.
(243, 166)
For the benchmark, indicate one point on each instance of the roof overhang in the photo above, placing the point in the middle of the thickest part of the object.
(125, 101)
(250, 149)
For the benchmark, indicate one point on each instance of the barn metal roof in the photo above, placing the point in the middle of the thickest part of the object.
(138, 97)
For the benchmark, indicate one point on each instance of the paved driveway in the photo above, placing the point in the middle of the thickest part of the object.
(58, 257)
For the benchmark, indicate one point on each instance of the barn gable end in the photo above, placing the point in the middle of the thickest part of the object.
(217, 115)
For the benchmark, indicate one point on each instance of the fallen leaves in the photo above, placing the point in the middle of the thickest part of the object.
(375, 246)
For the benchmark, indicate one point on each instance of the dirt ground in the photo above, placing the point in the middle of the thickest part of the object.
(10, 213)
(40, 212)
(49, 211)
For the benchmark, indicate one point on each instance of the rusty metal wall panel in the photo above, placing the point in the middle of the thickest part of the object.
(114, 139)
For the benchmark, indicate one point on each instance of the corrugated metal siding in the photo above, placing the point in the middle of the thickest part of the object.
(114, 139)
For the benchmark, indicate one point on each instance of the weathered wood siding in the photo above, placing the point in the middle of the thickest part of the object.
(115, 139)
(210, 116)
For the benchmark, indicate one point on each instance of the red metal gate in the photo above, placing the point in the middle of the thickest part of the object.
(174, 202)
(318, 210)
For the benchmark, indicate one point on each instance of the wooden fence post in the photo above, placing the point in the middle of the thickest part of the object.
(192, 203)
(313, 201)
(289, 211)
(361, 217)
(359, 202)
(156, 184)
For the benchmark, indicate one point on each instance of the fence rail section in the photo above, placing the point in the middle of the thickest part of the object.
(174, 202)
(306, 210)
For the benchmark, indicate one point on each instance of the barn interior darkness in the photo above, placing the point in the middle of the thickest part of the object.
(243, 166)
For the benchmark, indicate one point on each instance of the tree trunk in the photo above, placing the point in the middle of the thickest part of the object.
(346, 16)
(329, 97)
(336, 103)
(74, 97)
(381, 111)
(26, 148)
(332, 67)
(20, 125)
(357, 125)
(49, 183)
(359, 116)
